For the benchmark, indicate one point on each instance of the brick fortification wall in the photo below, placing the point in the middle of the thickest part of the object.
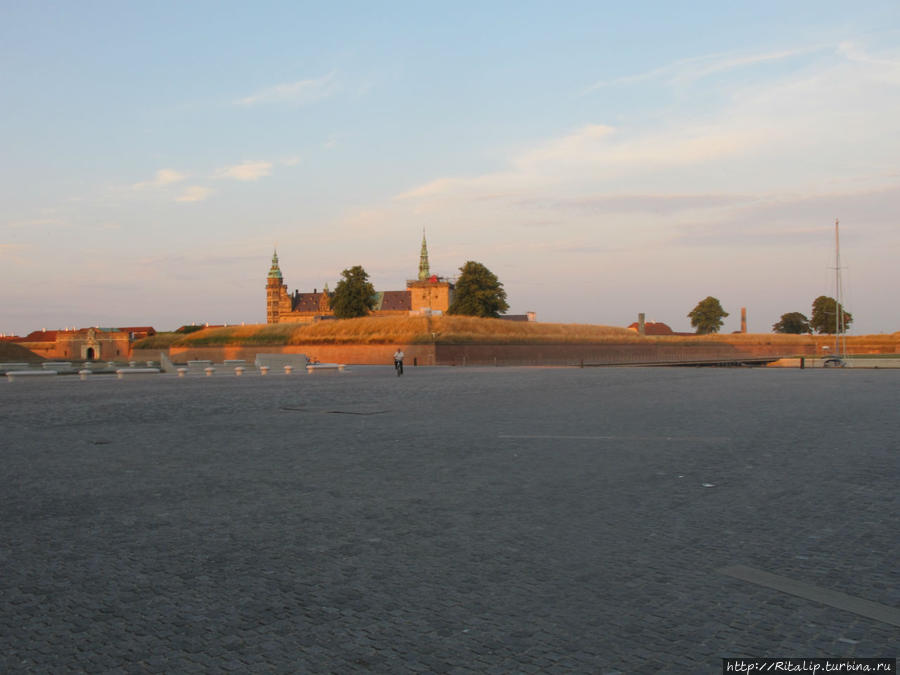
(357, 354)
(538, 355)
(574, 354)
(473, 354)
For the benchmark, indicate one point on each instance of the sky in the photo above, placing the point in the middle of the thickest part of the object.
(602, 159)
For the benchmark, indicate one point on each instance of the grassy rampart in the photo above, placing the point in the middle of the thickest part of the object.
(457, 330)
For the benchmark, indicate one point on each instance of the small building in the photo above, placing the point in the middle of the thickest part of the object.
(653, 328)
(85, 344)
(657, 328)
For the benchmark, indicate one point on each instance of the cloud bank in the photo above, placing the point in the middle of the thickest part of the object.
(301, 92)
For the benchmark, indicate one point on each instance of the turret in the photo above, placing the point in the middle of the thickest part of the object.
(274, 288)
(424, 268)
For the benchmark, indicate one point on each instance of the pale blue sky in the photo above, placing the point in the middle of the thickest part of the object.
(601, 159)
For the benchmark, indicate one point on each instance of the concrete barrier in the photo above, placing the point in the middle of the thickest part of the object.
(313, 367)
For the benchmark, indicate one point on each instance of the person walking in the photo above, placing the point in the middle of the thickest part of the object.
(398, 361)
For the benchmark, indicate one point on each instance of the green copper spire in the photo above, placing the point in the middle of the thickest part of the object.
(274, 271)
(424, 269)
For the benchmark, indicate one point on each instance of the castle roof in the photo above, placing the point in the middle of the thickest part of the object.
(305, 302)
(653, 328)
(424, 267)
(40, 336)
(393, 301)
(274, 270)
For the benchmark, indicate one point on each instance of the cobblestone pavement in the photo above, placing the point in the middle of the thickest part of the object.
(449, 521)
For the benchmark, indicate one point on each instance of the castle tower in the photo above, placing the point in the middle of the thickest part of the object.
(324, 302)
(424, 268)
(274, 288)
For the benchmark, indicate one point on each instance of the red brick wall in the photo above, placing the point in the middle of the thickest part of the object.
(550, 354)
(353, 354)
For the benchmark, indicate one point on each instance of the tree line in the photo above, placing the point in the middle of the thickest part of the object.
(478, 292)
(707, 318)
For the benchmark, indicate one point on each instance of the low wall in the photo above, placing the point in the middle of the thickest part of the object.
(586, 354)
(651, 351)
(352, 354)
(479, 354)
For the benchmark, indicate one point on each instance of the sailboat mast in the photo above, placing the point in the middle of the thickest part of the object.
(838, 300)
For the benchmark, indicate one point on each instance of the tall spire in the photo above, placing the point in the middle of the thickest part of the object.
(274, 270)
(424, 269)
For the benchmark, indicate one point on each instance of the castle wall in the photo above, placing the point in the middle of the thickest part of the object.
(433, 295)
(352, 354)
(45, 349)
(481, 355)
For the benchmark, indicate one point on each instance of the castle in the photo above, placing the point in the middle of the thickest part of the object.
(426, 294)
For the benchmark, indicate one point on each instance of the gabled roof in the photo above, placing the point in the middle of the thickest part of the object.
(653, 328)
(305, 302)
(393, 301)
(41, 336)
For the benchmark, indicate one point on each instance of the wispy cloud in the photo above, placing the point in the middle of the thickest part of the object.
(248, 170)
(698, 67)
(37, 222)
(194, 193)
(10, 249)
(291, 161)
(810, 125)
(299, 93)
(162, 178)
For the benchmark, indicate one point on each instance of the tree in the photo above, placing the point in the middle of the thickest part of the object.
(707, 316)
(354, 295)
(824, 313)
(792, 322)
(478, 292)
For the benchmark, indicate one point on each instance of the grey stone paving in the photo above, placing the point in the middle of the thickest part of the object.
(458, 521)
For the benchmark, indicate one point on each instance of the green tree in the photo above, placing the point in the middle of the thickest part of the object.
(354, 295)
(824, 314)
(478, 292)
(707, 316)
(792, 322)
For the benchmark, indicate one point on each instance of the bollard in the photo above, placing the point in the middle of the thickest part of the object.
(83, 374)
(209, 370)
(802, 362)
(181, 371)
(239, 370)
(264, 370)
(288, 369)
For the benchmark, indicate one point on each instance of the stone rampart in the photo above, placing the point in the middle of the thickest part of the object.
(427, 354)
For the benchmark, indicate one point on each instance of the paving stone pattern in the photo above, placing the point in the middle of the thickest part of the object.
(480, 520)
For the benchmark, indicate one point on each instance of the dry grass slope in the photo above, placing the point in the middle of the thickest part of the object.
(10, 352)
(470, 330)
(390, 330)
